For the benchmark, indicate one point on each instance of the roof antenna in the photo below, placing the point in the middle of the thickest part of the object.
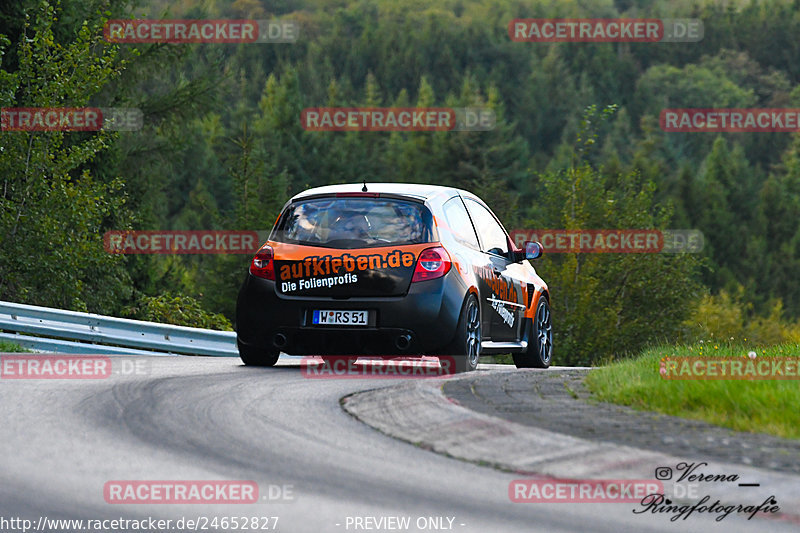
(364, 188)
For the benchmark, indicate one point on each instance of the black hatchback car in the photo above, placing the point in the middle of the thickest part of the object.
(393, 270)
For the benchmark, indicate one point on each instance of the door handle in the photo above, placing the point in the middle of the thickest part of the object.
(496, 271)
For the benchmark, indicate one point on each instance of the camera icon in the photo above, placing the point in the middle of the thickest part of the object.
(663, 473)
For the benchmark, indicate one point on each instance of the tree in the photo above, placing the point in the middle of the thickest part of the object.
(780, 212)
(607, 305)
(53, 212)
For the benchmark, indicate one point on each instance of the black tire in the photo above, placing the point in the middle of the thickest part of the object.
(466, 346)
(252, 356)
(539, 353)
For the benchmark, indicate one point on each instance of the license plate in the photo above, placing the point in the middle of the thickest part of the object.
(340, 318)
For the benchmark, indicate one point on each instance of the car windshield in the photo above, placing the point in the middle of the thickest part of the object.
(354, 223)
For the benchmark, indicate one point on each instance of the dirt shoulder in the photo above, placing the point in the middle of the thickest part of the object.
(557, 400)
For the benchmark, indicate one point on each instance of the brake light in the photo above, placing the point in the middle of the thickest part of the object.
(263, 265)
(432, 263)
(358, 195)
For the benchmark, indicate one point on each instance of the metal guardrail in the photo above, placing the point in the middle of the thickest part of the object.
(103, 334)
(40, 344)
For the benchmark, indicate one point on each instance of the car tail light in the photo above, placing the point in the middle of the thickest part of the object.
(263, 265)
(432, 263)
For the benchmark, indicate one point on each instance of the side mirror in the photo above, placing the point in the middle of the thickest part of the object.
(533, 250)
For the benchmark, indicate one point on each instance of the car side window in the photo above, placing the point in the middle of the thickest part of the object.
(459, 223)
(493, 237)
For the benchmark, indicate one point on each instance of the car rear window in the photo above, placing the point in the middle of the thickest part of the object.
(354, 223)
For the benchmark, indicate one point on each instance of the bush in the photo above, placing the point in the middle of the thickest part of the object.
(10, 347)
(728, 317)
(178, 310)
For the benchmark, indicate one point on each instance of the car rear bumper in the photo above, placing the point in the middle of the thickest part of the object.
(423, 321)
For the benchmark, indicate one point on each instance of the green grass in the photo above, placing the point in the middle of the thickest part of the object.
(500, 359)
(758, 406)
(11, 347)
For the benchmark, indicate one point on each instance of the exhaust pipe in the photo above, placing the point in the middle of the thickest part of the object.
(279, 340)
(402, 342)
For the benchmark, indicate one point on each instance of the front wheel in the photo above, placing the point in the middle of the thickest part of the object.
(466, 346)
(252, 356)
(540, 339)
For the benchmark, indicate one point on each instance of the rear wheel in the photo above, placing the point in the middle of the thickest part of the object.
(540, 339)
(466, 347)
(252, 356)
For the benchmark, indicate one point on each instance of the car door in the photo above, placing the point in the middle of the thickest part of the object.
(460, 227)
(503, 299)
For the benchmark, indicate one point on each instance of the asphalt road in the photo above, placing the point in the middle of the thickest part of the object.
(179, 418)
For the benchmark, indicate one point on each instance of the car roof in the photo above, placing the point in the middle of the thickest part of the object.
(416, 190)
